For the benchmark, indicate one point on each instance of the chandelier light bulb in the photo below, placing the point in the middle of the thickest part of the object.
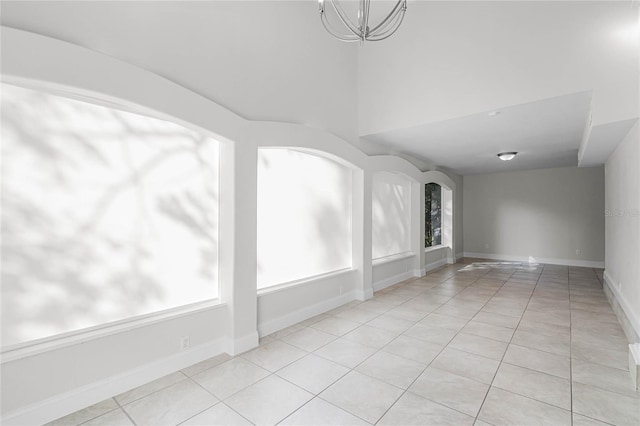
(506, 156)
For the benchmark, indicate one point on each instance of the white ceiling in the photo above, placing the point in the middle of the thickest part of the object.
(546, 133)
(424, 93)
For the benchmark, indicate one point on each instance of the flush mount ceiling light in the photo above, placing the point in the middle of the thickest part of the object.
(506, 156)
(344, 27)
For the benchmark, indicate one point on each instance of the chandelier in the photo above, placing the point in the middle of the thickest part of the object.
(360, 29)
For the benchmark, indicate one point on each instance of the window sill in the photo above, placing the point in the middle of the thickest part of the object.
(434, 248)
(284, 286)
(392, 258)
(46, 344)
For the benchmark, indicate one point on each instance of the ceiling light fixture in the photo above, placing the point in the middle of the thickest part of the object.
(506, 156)
(360, 29)
(493, 113)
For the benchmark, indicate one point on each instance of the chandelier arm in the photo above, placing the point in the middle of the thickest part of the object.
(364, 27)
(391, 14)
(335, 33)
(381, 37)
(346, 21)
(390, 26)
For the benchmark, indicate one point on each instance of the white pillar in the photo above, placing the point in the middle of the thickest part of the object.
(361, 231)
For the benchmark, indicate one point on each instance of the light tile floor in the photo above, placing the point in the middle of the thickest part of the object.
(472, 343)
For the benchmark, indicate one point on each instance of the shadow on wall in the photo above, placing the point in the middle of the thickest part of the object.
(391, 203)
(304, 216)
(106, 215)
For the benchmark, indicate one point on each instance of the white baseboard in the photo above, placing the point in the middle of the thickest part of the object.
(435, 265)
(387, 282)
(243, 344)
(295, 317)
(632, 318)
(419, 272)
(634, 364)
(364, 295)
(79, 398)
(548, 260)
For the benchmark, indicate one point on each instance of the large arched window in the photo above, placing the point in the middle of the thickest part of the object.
(106, 215)
(391, 214)
(304, 216)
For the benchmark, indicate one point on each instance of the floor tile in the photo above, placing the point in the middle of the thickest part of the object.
(412, 409)
(496, 319)
(599, 355)
(432, 334)
(408, 313)
(358, 314)
(171, 405)
(86, 414)
(444, 321)
(361, 395)
(309, 339)
(313, 373)
(390, 323)
(415, 349)
(544, 328)
(268, 401)
(451, 390)
(605, 406)
(534, 384)
(607, 378)
(206, 364)
(319, 412)
(230, 377)
(112, 418)
(482, 346)
(554, 344)
(468, 365)
(495, 332)
(579, 420)
(337, 326)
(456, 311)
(506, 408)
(392, 369)
(218, 415)
(371, 336)
(550, 318)
(146, 389)
(545, 362)
(273, 356)
(345, 352)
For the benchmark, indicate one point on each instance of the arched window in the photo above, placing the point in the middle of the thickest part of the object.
(304, 216)
(432, 215)
(106, 215)
(391, 214)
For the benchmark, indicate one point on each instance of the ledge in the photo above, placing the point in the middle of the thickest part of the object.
(392, 258)
(59, 341)
(284, 286)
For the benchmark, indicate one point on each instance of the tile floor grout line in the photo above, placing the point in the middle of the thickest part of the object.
(125, 411)
(507, 348)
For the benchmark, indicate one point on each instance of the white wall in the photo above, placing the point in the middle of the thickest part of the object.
(263, 60)
(544, 214)
(622, 228)
(391, 214)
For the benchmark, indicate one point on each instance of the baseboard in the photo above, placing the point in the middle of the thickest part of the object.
(435, 265)
(419, 272)
(243, 344)
(387, 282)
(364, 295)
(459, 256)
(628, 319)
(295, 317)
(529, 259)
(84, 396)
(634, 364)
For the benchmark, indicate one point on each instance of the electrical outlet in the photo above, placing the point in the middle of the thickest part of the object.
(578, 252)
(185, 343)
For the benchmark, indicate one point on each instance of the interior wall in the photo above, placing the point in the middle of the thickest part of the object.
(622, 228)
(263, 60)
(547, 215)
